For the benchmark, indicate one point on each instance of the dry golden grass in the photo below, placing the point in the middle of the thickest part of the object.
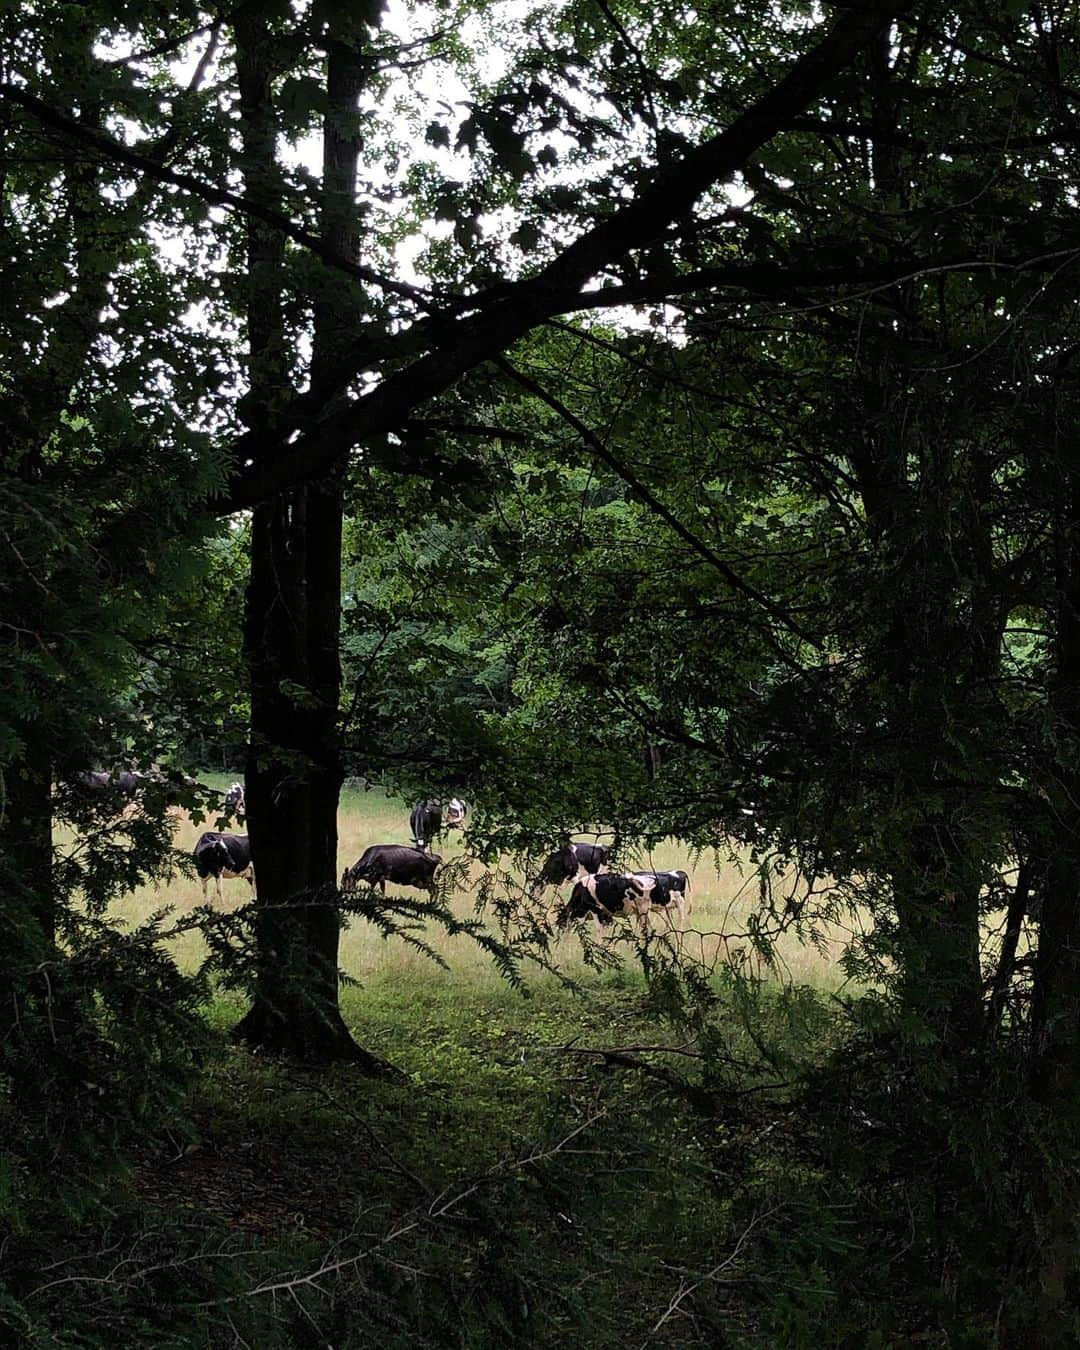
(724, 894)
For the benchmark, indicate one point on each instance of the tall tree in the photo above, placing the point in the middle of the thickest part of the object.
(98, 471)
(294, 594)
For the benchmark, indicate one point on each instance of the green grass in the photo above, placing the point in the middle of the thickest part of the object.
(507, 1188)
(583, 1241)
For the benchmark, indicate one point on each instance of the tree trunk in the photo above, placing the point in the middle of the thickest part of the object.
(938, 924)
(292, 624)
(293, 781)
(933, 671)
(1014, 924)
(1056, 1014)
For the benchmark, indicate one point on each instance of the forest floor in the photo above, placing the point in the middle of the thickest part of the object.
(511, 1188)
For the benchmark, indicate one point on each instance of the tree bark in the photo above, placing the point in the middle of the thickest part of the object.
(934, 665)
(1006, 965)
(1056, 1012)
(933, 668)
(1055, 1062)
(293, 609)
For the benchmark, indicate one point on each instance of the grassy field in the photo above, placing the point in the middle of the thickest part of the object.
(571, 1163)
(724, 893)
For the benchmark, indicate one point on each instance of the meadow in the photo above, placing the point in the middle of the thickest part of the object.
(725, 893)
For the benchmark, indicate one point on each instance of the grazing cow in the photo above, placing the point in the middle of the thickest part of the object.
(669, 891)
(392, 862)
(570, 861)
(223, 855)
(95, 782)
(602, 896)
(425, 821)
(234, 799)
(429, 818)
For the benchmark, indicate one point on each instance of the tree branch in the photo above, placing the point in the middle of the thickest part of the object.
(510, 310)
(421, 425)
(640, 490)
(108, 147)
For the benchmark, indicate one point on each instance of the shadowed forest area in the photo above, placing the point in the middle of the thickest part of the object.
(650, 427)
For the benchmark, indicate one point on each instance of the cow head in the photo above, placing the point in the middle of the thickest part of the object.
(553, 872)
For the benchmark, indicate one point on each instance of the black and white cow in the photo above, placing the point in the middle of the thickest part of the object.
(669, 891)
(131, 791)
(602, 896)
(570, 861)
(429, 818)
(392, 862)
(223, 855)
(234, 798)
(425, 821)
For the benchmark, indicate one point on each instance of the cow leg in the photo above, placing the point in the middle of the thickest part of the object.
(204, 880)
(217, 883)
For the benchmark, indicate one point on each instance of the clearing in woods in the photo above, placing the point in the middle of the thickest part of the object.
(724, 892)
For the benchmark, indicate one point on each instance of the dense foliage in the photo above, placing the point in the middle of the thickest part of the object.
(709, 472)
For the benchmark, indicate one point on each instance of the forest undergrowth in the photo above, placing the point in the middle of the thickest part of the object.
(536, 1172)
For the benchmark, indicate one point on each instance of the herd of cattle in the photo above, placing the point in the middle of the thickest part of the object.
(597, 894)
(601, 895)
